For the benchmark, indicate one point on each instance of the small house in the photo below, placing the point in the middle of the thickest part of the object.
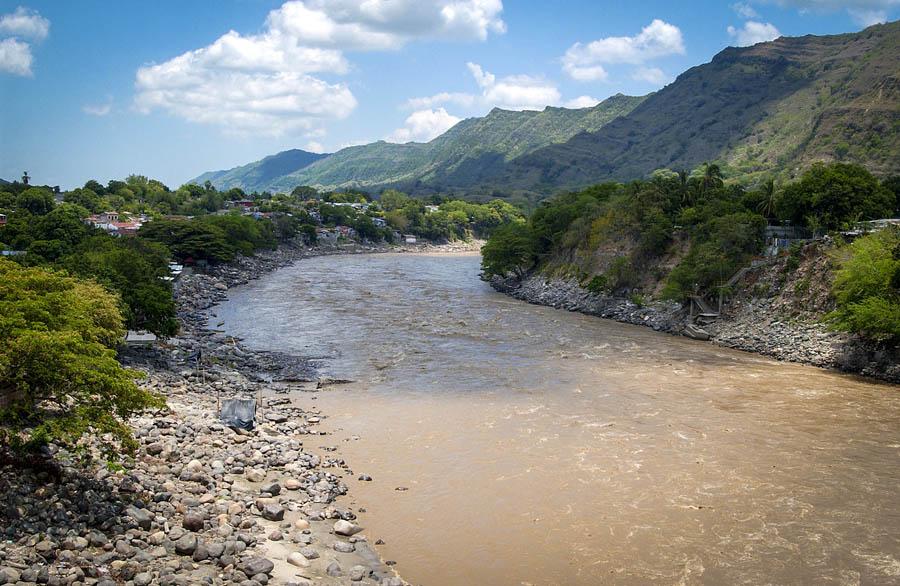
(380, 222)
(409, 239)
(108, 218)
(2, 219)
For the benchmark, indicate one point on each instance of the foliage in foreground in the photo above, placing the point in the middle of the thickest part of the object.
(867, 286)
(59, 377)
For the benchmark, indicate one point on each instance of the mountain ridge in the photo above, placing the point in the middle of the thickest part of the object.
(770, 109)
(466, 148)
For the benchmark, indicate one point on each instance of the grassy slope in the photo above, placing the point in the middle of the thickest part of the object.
(257, 175)
(467, 150)
(771, 108)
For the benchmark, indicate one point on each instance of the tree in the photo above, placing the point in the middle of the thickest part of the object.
(36, 200)
(836, 194)
(132, 267)
(59, 378)
(867, 286)
(768, 199)
(305, 192)
(511, 249)
(84, 198)
(712, 177)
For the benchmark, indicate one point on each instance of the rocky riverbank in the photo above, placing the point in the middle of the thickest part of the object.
(775, 312)
(202, 503)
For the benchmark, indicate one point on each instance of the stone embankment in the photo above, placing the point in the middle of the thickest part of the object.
(776, 312)
(202, 503)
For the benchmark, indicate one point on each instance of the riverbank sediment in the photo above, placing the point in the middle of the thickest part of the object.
(774, 312)
(201, 503)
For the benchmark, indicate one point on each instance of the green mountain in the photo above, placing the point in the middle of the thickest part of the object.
(772, 108)
(472, 149)
(769, 109)
(256, 176)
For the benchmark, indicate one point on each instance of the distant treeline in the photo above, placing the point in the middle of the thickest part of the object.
(193, 224)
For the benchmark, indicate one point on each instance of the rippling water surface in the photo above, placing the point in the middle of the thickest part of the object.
(546, 447)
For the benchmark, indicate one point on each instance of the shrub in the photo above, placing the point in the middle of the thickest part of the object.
(867, 287)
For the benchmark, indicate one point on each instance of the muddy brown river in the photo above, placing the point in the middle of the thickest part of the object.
(545, 447)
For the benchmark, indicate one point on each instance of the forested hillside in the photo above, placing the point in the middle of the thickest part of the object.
(770, 109)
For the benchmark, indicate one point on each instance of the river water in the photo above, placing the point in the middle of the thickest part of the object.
(545, 447)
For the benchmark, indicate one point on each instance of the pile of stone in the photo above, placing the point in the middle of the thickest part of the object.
(202, 503)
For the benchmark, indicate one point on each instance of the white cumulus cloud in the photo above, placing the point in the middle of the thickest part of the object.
(385, 24)
(15, 57)
(25, 24)
(581, 102)
(458, 98)
(19, 31)
(424, 125)
(264, 83)
(744, 10)
(651, 75)
(753, 32)
(514, 92)
(585, 62)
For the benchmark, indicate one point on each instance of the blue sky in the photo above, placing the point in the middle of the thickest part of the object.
(94, 89)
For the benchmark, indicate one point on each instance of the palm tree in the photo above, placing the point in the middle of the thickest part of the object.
(767, 206)
(683, 177)
(712, 177)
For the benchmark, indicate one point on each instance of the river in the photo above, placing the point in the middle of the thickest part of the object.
(539, 446)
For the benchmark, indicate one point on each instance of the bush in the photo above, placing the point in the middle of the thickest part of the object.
(59, 378)
(867, 287)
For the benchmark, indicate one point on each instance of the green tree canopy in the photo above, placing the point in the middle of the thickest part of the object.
(59, 378)
(511, 249)
(37, 200)
(834, 196)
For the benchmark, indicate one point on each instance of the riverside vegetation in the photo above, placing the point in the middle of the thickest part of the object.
(679, 235)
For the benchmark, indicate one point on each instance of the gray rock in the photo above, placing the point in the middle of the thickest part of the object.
(357, 573)
(142, 517)
(334, 570)
(9, 575)
(255, 566)
(143, 579)
(76, 543)
(273, 512)
(201, 553)
(215, 550)
(309, 553)
(346, 528)
(186, 545)
(343, 547)
(272, 488)
(193, 522)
